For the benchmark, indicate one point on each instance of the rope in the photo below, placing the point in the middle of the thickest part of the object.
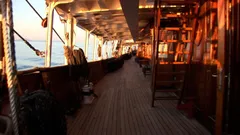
(42, 19)
(9, 51)
(38, 53)
(68, 53)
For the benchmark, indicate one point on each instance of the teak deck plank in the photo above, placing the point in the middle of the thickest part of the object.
(124, 108)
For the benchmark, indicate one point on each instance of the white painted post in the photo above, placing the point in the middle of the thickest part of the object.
(74, 29)
(70, 32)
(106, 47)
(70, 40)
(101, 44)
(1, 46)
(67, 33)
(94, 47)
(71, 27)
(66, 42)
(49, 35)
(86, 43)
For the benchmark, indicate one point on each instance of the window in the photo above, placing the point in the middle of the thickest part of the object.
(163, 49)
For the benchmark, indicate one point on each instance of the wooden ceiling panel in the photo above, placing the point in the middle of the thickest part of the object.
(106, 18)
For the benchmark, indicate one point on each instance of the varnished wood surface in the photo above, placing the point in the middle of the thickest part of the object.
(124, 108)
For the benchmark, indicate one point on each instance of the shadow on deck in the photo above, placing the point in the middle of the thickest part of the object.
(124, 108)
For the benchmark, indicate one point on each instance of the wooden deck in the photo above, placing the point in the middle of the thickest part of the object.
(124, 108)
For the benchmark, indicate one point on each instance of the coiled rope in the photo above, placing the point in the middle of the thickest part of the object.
(68, 53)
(9, 51)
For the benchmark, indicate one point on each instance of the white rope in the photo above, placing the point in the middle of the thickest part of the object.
(10, 59)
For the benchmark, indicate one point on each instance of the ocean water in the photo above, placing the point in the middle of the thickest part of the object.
(26, 58)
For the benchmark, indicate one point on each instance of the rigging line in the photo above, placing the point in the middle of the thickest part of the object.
(38, 53)
(42, 19)
(24, 40)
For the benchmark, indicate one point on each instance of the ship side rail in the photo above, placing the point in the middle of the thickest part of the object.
(63, 81)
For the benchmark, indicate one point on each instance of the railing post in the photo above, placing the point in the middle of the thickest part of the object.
(86, 43)
(1, 45)
(101, 45)
(73, 28)
(94, 47)
(49, 35)
(48, 51)
(70, 37)
(106, 48)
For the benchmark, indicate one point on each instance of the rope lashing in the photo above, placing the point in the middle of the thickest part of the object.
(38, 53)
(10, 60)
(68, 53)
(99, 51)
(44, 20)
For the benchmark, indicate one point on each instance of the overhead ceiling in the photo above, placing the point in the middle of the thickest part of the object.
(107, 18)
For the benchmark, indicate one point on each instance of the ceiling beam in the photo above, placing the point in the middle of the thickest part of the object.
(130, 10)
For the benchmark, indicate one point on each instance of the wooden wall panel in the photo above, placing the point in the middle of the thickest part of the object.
(201, 85)
(61, 80)
(30, 81)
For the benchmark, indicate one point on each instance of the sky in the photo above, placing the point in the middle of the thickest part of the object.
(28, 24)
